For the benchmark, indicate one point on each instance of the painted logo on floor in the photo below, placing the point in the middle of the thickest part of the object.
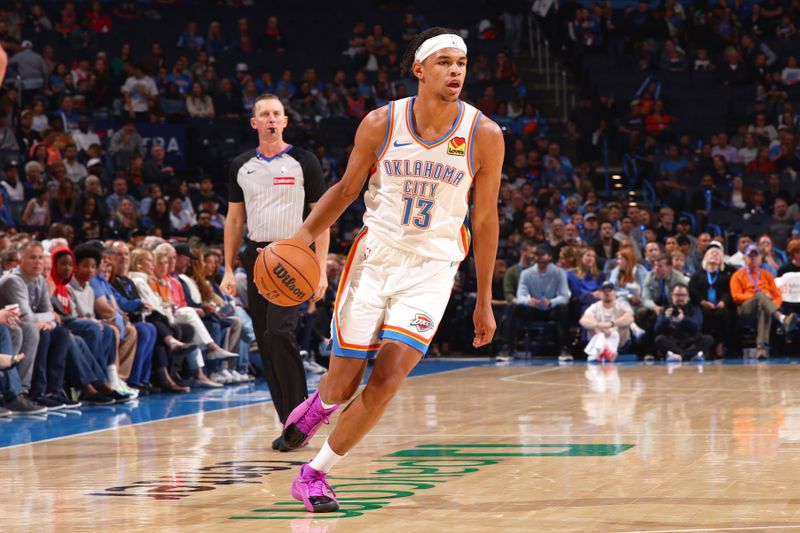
(406, 472)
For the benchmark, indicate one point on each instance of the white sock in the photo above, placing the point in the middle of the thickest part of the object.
(326, 405)
(325, 459)
(113, 376)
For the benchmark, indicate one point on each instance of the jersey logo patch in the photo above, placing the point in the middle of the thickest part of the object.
(398, 144)
(457, 146)
(283, 180)
(422, 322)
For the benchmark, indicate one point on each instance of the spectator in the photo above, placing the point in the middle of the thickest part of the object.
(512, 275)
(37, 212)
(76, 172)
(181, 219)
(628, 277)
(124, 143)
(779, 227)
(757, 297)
(31, 68)
(42, 375)
(198, 104)
(608, 322)
(155, 170)
(543, 294)
(709, 289)
(659, 285)
(679, 329)
(771, 260)
(120, 191)
(83, 136)
(605, 246)
(140, 93)
(203, 234)
(173, 104)
(584, 280)
(737, 260)
(127, 295)
(190, 40)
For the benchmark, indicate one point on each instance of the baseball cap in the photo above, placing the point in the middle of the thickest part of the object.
(184, 249)
(241, 67)
(684, 220)
(589, 216)
(607, 285)
(752, 249)
(94, 161)
(715, 244)
(11, 164)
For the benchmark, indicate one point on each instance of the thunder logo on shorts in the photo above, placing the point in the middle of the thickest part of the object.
(422, 322)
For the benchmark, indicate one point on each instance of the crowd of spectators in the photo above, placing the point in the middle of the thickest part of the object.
(651, 270)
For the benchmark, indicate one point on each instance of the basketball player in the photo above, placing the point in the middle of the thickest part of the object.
(422, 155)
(271, 188)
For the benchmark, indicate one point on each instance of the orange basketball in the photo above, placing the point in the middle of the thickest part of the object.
(286, 273)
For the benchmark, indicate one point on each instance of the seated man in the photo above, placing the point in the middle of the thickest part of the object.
(41, 334)
(543, 294)
(757, 297)
(679, 329)
(12, 400)
(608, 322)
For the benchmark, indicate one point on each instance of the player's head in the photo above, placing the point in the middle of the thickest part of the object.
(269, 117)
(438, 59)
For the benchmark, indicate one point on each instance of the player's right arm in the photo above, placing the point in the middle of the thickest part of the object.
(3, 64)
(234, 227)
(330, 207)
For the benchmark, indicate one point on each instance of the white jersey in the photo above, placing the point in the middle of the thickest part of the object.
(418, 193)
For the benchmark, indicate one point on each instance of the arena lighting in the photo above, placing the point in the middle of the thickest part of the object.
(616, 177)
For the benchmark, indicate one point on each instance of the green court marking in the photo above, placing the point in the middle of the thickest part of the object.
(423, 468)
(526, 450)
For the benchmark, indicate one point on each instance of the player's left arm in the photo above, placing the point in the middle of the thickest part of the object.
(489, 150)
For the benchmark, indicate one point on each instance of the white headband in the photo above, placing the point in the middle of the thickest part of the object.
(434, 44)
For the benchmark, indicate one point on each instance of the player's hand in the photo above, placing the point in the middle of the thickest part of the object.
(483, 318)
(228, 285)
(322, 286)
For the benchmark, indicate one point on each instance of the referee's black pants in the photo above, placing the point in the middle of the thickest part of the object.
(275, 328)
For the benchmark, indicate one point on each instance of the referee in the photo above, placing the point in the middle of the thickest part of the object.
(272, 189)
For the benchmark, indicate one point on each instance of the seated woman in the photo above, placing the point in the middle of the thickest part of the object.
(149, 277)
(628, 279)
(584, 282)
(771, 261)
(710, 289)
(201, 294)
(138, 312)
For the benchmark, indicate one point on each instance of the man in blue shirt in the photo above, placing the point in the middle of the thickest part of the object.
(542, 295)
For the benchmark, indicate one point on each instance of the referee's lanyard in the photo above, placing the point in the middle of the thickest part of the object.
(757, 280)
(712, 291)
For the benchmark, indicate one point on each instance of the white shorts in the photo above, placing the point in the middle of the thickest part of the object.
(386, 293)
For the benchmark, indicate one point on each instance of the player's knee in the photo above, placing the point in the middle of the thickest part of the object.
(384, 387)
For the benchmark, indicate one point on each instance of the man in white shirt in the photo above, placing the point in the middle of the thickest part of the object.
(140, 94)
(83, 136)
(608, 321)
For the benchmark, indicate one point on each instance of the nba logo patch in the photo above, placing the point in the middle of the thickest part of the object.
(422, 322)
(457, 146)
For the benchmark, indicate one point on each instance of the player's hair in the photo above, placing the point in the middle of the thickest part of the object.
(416, 42)
(265, 96)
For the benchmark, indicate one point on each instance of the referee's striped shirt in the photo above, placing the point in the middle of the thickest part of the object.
(275, 190)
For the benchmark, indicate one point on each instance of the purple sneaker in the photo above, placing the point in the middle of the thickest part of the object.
(312, 488)
(304, 421)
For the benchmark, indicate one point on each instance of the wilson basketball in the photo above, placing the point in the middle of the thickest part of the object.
(286, 273)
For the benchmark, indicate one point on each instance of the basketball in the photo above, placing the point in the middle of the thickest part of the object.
(286, 273)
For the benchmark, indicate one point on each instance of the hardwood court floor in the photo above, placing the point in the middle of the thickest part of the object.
(483, 448)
